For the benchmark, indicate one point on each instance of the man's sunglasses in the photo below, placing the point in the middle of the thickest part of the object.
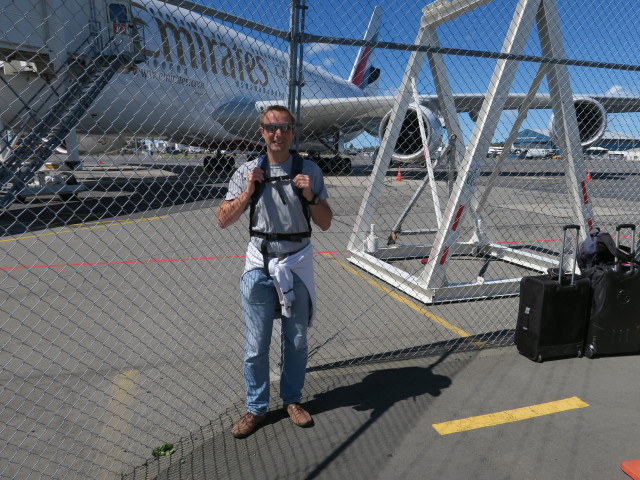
(273, 127)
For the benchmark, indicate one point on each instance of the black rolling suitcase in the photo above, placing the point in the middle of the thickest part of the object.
(613, 326)
(552, 314)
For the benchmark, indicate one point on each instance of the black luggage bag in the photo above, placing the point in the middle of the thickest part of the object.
(552, 315)
(613, 326)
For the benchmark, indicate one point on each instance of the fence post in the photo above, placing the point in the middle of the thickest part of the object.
(296, 52)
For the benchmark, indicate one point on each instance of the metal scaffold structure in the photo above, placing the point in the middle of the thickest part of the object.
(431, 285)
(74, 76)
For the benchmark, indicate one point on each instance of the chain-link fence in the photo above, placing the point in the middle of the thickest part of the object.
(122, 122)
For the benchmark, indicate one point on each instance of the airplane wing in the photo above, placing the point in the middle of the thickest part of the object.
(617, 104)
(352, 113)
(319, 113)
(326, 112)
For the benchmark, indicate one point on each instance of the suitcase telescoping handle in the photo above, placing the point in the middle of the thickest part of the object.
(632, 227)
(575, 253)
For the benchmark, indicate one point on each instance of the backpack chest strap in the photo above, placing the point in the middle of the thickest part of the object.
(281, 178)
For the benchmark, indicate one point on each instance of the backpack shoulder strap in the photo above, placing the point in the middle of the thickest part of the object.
(297, 164)
(262, 161)
(295, 170)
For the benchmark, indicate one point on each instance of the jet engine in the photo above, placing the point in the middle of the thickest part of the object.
(409, 144)
(592, 121)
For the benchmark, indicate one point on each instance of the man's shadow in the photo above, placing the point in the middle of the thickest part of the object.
(378, 392)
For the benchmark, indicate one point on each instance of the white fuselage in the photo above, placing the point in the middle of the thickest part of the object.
(192, 67)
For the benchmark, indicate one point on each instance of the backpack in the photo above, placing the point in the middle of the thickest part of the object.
(599, 248)
(295, 170)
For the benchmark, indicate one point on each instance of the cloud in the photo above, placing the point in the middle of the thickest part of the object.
(328, 62)
(620, 91)
(316, 48)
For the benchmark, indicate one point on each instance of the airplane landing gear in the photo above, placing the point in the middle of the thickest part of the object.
(218, 163)
(334, 165)
(66, 196)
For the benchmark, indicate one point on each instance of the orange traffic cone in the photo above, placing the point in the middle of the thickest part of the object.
(588, 174)
(631, 468)
(399, 176)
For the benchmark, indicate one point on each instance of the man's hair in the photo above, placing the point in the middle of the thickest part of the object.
(278, 108)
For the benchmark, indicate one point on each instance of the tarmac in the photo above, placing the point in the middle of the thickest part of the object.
(482, 414)
(573, 418)
(478, 414)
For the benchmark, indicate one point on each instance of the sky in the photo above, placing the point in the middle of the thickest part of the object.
(589, 32)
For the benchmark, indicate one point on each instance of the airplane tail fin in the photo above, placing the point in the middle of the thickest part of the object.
(363, 74)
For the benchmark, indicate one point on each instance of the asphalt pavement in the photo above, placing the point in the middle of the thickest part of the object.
(572, 418)
(440, 414)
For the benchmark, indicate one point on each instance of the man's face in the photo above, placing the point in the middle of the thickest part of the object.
(279, 140)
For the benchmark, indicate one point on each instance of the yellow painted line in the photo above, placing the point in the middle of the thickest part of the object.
(118, 417)
(92, 225)
(508, 416)
(440, 321)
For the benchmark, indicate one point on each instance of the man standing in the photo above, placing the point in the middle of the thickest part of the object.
(283, 192)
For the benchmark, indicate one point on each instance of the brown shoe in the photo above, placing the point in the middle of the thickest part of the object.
(299, 415)
(247, 424)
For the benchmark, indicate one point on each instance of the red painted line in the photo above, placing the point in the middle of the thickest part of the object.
(530, 241)
(133, 262)
(585, 195)
(126, 262)
(444, 255)
(456, 221)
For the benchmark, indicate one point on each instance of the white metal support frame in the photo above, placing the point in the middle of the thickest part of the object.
(427, 160)
(433, 15)
(564, 111)
(428, 179)
(431, 284)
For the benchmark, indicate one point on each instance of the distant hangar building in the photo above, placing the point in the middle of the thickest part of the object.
(618, 141)
(528, 139)
(614, 141)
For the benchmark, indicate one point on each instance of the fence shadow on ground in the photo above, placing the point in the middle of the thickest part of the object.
(361, 413)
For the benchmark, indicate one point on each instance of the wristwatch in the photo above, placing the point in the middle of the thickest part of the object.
(315, 200)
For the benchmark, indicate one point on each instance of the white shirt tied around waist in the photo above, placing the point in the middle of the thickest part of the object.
(282, 270)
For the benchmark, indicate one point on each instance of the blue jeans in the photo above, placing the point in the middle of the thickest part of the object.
(259, 300)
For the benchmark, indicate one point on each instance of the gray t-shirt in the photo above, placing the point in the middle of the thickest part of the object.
(279, 209)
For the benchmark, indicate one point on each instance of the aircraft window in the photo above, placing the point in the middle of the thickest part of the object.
(118, 13)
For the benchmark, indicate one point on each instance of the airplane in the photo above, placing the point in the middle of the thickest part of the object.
(539, 153)
(212, 81)
(199, 82)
